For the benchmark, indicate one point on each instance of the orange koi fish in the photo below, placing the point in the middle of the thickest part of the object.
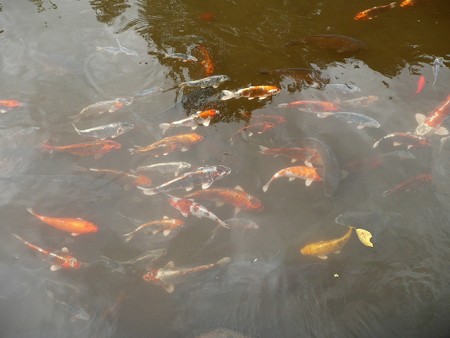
(323, 248)
(236, 197)
(64, 260)
(136, 179)
(164, 226)
(208, 63)
(431, 124)
(75, 226)
(260, 92)
(420, 84)
(169, 144)
(371, 13)
(306, 154)
(7, 105)
(311, 106)
(309, 174)
(92, 148)
(409, 184)
(407, 3)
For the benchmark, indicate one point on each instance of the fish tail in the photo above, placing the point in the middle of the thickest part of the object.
(223, 261)
(392, 4)
(227, 94)
(266, 186)
(164, 127)
(46, 147)
(262, 149)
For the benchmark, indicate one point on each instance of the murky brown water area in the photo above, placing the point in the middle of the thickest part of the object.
(58, 57)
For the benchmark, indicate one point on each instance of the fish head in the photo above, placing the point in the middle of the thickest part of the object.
(223, 170)
(274, 90)
(124, 127)
(126, 100)
(151, 276)
(361, 16)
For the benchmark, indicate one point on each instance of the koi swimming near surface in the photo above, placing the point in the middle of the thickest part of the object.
(103, 107)
(93, 148)
(165, 226)
(322, 249)
(135, 179)
(74, 226)
(199, 118)
(431, 124)
(373, 12)
(253, 92)
(210, 81)
(207, 62)
(111, 130)
(168, 145)
(306, 155)
(309, 174)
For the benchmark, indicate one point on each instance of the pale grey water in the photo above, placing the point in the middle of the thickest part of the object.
(399, 288)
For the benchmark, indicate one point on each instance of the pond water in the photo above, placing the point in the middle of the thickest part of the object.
(59, 57)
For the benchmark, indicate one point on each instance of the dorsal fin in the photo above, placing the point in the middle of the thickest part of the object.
(169, 265)
(238, 187)
(420, 118)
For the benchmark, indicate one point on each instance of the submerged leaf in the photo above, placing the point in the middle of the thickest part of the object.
(364, 236)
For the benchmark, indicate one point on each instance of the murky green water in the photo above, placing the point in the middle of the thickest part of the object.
(53, 60)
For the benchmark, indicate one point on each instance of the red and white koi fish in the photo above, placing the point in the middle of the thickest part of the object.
(189, 207)
(323, 248)
(373, 12)
(7, 105)
(408, 139)
(420, 84)
(131, 179)
(165, 226)
(168, 275)
(306, 155)
(309, 174)
(204, 176)
(431, 124)
(63, 260)
(260, 92)
(74, 226)
(207, 62)
(93, 148)
(409, 184)
(311, 106)
(250, 130)
(236, 197)
(103, 107)
(199, 118)
(169, 144)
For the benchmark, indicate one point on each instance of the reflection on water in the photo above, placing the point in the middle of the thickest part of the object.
(123, 61)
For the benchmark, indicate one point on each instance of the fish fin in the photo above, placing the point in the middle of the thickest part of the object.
(441, 131)
(75, 234)
(215, 85)
(323, 257)
(223, 261)
(97, 156)
(206, 185)
(291, 179)
(194, 127)
(164, 127)
(64, 250)
(54, 268)
(420, 118)
(76, 129)
(182, 149)
(31, 211)
(207, 122)
(220, 203)
(168, 287)
(392, 4)
(409, 146)
(239, 188)
(359, 126)
(169, 265)
(128, 237)
(266, 186)
(376, 144)
(307, 163)
(396, 144)
(227, 94)
(166, 233)
(148, 191)
(262, 149)
(364, 236)
(323, 115)
(189, 188)
(308, 182)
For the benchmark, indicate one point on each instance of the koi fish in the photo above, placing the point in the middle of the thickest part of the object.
(93, 148)
(309, 174)
(210, 81)
(437, 63)
(236, 197)
(74, 226)
(275, 119)
(204, 176)
(420, 84)
(118, 50)
(207, 16)
(7, 105)
(373, 12)
(367, 164)
(323, 248)
(208, 63)
(124, 266)
(168, 145)
(76, 312)
(306, 155)
(311, 106)
(180, 56)
(168, 167)
(364, 101)
(63, 260)
(167, 276)
(409, 184)
(111, 130)
(103, 107)
(431, 124)
(260, 92)
(340, 43)
(407, 3)
(189, 207)
(250, 130)
(360, 120)
(408, 139)
(343, 88)
(149, 92)
(164, 226)
(136, 179)
(199, 118)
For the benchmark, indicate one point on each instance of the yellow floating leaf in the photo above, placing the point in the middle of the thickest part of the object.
(364, 236)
